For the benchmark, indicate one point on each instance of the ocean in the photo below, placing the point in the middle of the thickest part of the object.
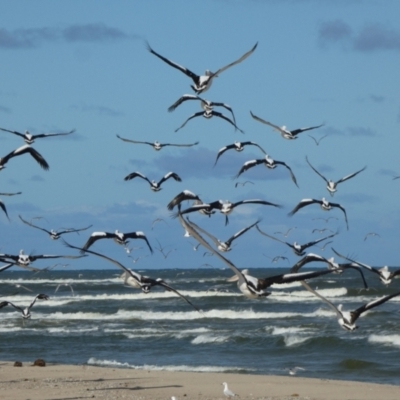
(94, 319)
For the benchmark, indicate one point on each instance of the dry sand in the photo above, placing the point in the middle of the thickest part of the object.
(74, 382)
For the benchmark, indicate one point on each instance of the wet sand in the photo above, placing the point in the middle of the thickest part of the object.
(73, 382)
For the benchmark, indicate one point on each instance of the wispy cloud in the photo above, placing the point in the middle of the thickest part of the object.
(377, 98)
(351, 131)
(99, 110)
(5, 110)
(34, 37)
(372, 37)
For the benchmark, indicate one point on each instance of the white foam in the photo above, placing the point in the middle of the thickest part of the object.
(201, 339)
(393, 340)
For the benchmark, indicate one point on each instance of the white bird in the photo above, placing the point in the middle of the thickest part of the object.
(325, 205)
(228, 393)
(371, 234)
(55, 235)
(26, 312)
(154, 186)
(23, 150)
(285, 133)
(331, 185)
(201, 82)
(347, 319)
(269, 163)
(293, 371)
(29, 138)
(65, 284)
(157, 145)
(119, 237)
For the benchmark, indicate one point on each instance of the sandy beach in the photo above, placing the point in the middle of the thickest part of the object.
(67, 382)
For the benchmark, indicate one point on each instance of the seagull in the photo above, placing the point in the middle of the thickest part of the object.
(156, 221)
(297, 248)
(54, 234)
(243, 183)
(325, 205)
(154, 186)
(24, 260)
(238, 146)
(22, 150)
(269, 163)
(209, 114)
(347, 319)
(293, 371)
(29, 138)
(321, 230)
(325, 244)
(182, 196)
(325, 219)
(206, 105)
(134, 279)
(285, 234)
(162, 250)
(317, 142)
(26, 312)
(285, 133)
(371, 234)
(225, 207)
(331, 185)
(228, 393)
(65, 284)
(157, 145)
(201, 82)
(119, 238)
(384, 274)
(224, 246)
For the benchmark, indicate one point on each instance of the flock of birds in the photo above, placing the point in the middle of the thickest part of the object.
(249, 285)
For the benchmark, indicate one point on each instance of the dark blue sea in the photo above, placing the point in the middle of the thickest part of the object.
(93, 318)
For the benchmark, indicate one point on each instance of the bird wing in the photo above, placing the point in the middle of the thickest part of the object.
(136, 174)
(182, 196)
(240, 233)
(40, 296)
(212, 237)
(198, 114)
(138, 235)
(255, 201)
(310, 257)
(297, 131)
(223, 150)
(182, 99)
(8, 303)
(226, 106)
(181, 145)
(243, 57)
(278, 128)
(309, 244)
(254, 144)
(220, 115)
(249, 164)
(42, 135)
(175, 65)
(351, 175)
(96, 236)
(14, 132)
(133, 141)
(33, 226)
(289, 169)
(344, 212)
(272, 237)
(73, 230)
(4, 267)
(303, 203)
(372, 269)
(308, 162)
(3, 207)
(170, 175)
(27, 149)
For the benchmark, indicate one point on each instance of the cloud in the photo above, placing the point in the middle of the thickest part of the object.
(359, 131)
(33, 37)
(372, 37)
(5, 110)
(99, 110)
(376, 98)
(36, 178)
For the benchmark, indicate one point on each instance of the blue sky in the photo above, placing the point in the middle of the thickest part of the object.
(85, 65)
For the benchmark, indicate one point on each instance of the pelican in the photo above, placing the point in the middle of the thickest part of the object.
(134, 279)
(325, 205)
(29, 138)
(157, 145)
(269, 163)
(297, 248)
(225, 207)
(55, 235)
(201, 82)
(26, 312)
(331, 185)
(384, 274)
(347, 319)
(238, 146)
(119, 237)
(209, 114)
(24, 260)
(23, 150)
(223, 246)
(154, 186)
(285, 133)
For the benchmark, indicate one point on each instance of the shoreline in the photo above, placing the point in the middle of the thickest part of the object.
(66, 382)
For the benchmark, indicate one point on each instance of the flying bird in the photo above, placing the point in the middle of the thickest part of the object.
(238, 146)
(154, 186)
(55, 235)
(347, 319)
(297, 248)
(370, 234)
(119, 237)
(157, 145)
(29, 138)
(182, 196)
(23, 150)
(325, 205)
(201, 82)
(285, 133)
(134, 279)
(3, 206)
(26, 312)
(317, 142)
(269, 163)
(243, 183)
(331, 185)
